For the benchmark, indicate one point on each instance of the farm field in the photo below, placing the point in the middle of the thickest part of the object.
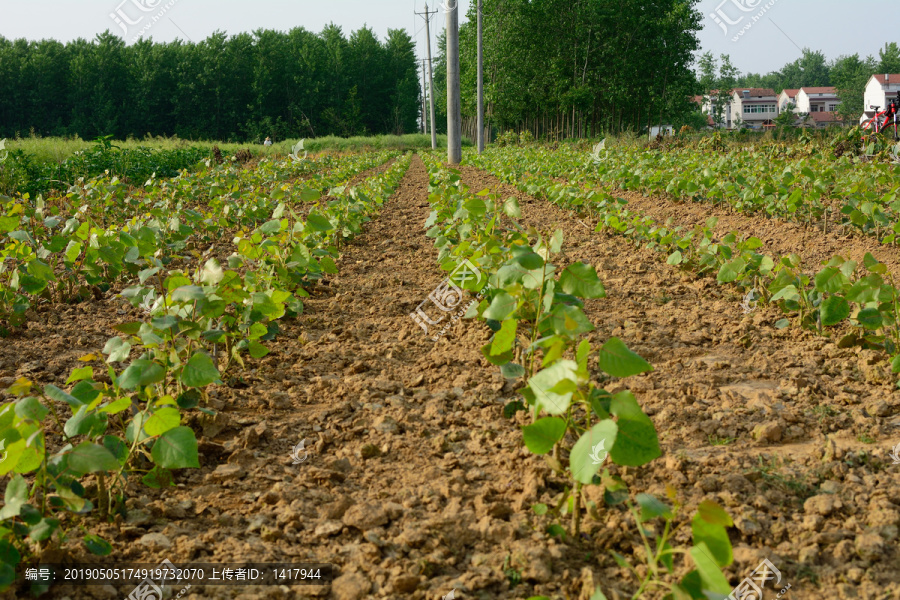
(474, 379)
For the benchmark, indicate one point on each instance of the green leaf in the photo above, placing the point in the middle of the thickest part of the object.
(44, 529)
(512, 371)
(710, 574)
(834, 310)
(88, 457)
(212, 272)
(511, 208)
(651, 508)
(598, 595)
(541, 436)
(97, 545)
(54, 393)
(79, 374)
(15, 497)
(782, 323)
(141, 373)
(476, 207)
(116, 406)
(715, 537)
(200, 371)
(731, 270)
(31, 408)
(162, 421)
(257, 350)
(675, 258)
(501, 307)
(830, 280)
(319, 223)
(617, 360)
(542, 384)
(128, 328)
(511, 408)
(176, 449)
(569, 321)
(581, 280)
(540, 509)
(189, 399)
(505, 338)
(590, 451)
(712, 513)
(327, 264)
(186, 294)
(556, 530)
(158, 478)
(869, 318)
(117, 349)
(637, 442)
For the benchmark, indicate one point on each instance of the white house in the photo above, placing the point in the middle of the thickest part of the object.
(756, 107)
(879, 91)
(786, 97)
(714, 98)
(816, 100)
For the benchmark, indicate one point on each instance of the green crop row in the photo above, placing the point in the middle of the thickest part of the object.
(841, 292)
(103, 232)
(71, 453)
(535, 311)
(815, 189)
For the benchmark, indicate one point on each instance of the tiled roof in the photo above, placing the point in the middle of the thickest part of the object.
(825, 117)
(819, 90)
(790, 92)
(893, 78)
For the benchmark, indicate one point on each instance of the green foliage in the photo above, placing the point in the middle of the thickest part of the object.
(842, 292)
(246, 86)
(558, 68)
(199, 321)
(536, 315)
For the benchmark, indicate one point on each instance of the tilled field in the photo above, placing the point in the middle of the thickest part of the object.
(414, 484)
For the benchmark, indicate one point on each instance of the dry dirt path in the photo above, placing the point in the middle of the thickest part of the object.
(743, 411)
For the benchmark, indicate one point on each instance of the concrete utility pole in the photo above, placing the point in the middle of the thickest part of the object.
(480, 124)
(454, 108)
(427, 16)
(424, 94)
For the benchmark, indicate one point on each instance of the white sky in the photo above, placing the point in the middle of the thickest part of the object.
(834, 26)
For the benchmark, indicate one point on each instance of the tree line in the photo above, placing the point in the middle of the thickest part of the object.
(239, 88)
(569, 68)
(848, 74)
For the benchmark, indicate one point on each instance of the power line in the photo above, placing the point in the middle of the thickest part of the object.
(427, 16)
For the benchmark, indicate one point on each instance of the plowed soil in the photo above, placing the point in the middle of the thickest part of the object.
(414, 484)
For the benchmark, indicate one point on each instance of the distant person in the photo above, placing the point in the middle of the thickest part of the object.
(268, 142)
